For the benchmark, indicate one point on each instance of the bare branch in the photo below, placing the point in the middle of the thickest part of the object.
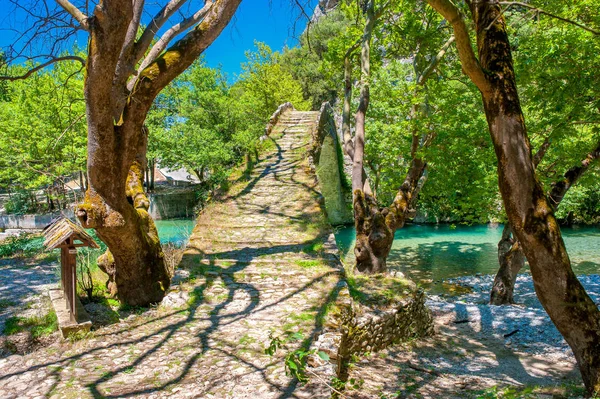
(175, 60)
(541, 11)
(142, 45)
(75, 13)
(541, 152)
(469, 61)
(571, 176)
(44, 65)
(80, 117)
(171, 33)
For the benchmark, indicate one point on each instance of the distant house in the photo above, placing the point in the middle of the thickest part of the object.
(178, 177)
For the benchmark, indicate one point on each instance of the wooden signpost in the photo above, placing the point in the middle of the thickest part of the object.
(68, 236)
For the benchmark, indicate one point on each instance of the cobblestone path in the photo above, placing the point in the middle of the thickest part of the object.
(261, 262)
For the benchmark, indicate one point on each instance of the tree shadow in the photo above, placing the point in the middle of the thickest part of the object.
(155, 352)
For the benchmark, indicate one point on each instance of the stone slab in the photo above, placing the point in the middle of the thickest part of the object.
(66, 325)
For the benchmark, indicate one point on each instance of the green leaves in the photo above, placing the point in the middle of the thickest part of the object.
(43, 133)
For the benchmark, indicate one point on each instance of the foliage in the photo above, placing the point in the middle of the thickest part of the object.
(295, 361)
(43, 135)
(309, 64)
(21, 245)
(555, 65)
(204, 124)
(20, 203)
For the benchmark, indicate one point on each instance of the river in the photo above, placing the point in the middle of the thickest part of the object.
(430, 253)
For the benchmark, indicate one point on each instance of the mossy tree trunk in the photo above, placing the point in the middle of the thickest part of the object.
(118, 98)
(510, 253)
(375, 225)
(511, 260)
(528, 210)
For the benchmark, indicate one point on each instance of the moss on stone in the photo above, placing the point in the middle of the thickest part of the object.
(379, 289)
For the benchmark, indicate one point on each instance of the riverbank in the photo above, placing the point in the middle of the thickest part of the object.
(479, 351)
(524, 326)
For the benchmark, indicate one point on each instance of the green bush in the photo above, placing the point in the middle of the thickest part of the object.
(22, 245)
(19, 204)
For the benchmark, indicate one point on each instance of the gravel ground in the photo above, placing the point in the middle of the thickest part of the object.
(531, 328)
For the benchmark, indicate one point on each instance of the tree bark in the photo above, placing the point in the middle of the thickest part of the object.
(511, 257)
(152, 173)
(511, 260)
(346, 131)
(529, 212)
(115, 203)
(375, 226)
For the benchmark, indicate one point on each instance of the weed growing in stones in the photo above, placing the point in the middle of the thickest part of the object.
(38, 326)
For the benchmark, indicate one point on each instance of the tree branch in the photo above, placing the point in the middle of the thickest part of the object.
(540, 11)
(571, 176)
(346, 134)
(173, 62)
(539, 155)
(44, 65)
(75, 13)
(166, 38)
(469, 61)
(144, 42)
(434, 62)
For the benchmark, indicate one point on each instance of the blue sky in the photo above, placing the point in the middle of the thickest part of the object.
(268, 21)
(256, 20)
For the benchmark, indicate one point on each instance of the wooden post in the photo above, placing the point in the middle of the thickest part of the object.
(73, 288)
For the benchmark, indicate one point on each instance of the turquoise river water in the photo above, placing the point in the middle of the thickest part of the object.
(176, 231)
(431, 253)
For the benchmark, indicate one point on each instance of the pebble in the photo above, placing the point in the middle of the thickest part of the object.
(537, 334)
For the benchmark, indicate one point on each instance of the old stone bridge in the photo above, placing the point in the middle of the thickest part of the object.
(261, 271)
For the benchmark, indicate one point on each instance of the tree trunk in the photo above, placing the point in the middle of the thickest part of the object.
(49, 200)
(134, 261)
(510, 254)
(81, 185)
(511, 260)
(375, 227)
(152, 174)
(147, 178)
(530, 214)
(115, 203)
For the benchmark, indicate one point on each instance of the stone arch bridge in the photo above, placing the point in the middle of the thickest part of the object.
(261, 271)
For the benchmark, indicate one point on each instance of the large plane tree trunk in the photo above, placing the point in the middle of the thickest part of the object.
(528, 210)
(510, 254)
(118, 98)
(531, 215)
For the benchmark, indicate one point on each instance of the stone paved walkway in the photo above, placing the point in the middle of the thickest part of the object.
(22, 286)
(261, 262)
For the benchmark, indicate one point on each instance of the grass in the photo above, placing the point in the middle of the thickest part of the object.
(247, 340)
(5, 303)
(313, 248)
(378, 289)
(304, 316)
(24, 245)
(38, 325)
(307, 264)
